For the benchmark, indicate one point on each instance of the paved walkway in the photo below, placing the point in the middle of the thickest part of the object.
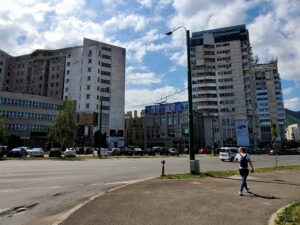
(207, 201)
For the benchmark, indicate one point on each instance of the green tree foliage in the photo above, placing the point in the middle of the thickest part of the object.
(64, 128)
(274, 133)
(2, 131)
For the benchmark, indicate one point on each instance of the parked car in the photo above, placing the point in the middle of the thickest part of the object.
(55, 152)
(173, 151)
(157, 150)
(260, 151)
(149, 151)
(17, 152)
(38, 152)
(114, 151)
(138, 151)
(3, 151)
(127, 151)
(204, 150)
(70, 152)
(227, 153)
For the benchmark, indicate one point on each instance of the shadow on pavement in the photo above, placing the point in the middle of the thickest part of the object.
(281, 182)
(251, 194)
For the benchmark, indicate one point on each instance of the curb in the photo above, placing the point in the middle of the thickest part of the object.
(274, 216)
(63, 216)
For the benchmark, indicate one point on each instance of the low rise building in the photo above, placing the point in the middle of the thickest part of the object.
(293, 132)
(28, 116)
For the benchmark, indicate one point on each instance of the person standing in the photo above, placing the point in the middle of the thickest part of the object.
(244, 159)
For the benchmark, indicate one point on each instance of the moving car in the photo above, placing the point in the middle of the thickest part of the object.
(228, 153)
(70, 152)
(204, 151)
(38, 152)
(17, 152)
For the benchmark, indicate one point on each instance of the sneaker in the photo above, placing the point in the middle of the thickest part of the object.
(248, 190)
(240, 193)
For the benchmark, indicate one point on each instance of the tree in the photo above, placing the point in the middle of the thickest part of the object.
(274, 134)
(64, 128)
(2, 131)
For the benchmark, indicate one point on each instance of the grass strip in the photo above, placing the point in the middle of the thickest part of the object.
(290, 215)
(227, 173)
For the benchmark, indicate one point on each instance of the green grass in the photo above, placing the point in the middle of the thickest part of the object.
(227, 173)
(290, 215)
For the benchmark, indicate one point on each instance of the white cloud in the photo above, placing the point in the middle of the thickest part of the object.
(142, 78)
(287, 91)
(122, 22)
(138, 99)
(292, 103)
(146, 3)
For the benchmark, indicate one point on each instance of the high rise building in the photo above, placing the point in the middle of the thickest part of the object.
(269, 99)
(223, 84)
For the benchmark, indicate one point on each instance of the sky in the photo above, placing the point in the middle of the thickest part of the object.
(156, 63)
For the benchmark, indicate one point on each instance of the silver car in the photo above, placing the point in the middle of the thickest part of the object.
(38, 152)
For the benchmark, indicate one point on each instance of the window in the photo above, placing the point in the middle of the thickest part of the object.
(106, 65)
(107, 99)
(103, 81)
(57, 75)
(90, 53)
(88, 78)
(67, 80)
(68, 63)
(89, 69)
(90, 61)
(105, 73)
(68, 71)
(69, 55)
(88, 87)
(106, 56)
(88, 96)
(66, 89)
(106, 48)
(87, 105)
(56, 84)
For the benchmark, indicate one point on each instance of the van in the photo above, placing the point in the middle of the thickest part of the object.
(228, 153)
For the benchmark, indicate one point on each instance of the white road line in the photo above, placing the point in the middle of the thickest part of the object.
(3, 210)
(32, 188)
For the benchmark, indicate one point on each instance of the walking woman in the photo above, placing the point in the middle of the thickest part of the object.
(244, 159)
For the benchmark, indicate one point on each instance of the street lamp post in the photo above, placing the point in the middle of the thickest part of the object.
(194, 164)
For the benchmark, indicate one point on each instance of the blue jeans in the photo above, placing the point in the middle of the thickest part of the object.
(244, 174)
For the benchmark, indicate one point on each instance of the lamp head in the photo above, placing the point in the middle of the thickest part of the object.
(169, 33)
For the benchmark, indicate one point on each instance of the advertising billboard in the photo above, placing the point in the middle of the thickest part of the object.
(242, 132)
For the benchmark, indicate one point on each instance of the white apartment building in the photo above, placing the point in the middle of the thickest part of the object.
(95, 72)
(222, 81)
(293, 132)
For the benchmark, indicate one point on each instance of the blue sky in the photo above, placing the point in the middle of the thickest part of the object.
(156, 63)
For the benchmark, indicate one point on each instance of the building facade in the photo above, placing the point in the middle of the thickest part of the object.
(223, 84)
(166, 125)
(293, 132)
(92, 74)
(134, 128)
(269, 100)
(28, 116)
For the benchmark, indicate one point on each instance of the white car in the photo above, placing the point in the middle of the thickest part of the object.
(70, 152)
(38, 152)
(228, 153)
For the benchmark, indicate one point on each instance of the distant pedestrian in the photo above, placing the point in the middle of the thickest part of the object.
(244, 159)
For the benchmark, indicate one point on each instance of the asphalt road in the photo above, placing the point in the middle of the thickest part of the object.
(40, 191)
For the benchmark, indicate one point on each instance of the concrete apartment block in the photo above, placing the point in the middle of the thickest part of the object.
(222, 85)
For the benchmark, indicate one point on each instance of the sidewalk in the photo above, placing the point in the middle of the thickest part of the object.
(207, 201)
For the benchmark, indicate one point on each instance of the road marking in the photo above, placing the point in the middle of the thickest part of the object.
(32, 188)
(3, 210)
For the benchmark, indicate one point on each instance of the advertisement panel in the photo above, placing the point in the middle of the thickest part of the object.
(242, 132)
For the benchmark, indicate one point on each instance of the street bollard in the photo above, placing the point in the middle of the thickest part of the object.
(163, 168)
